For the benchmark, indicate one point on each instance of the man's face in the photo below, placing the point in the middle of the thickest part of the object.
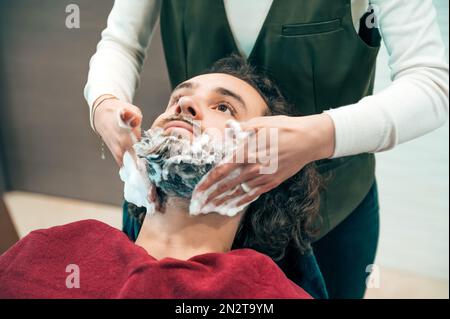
(210, 100)
(175, 165)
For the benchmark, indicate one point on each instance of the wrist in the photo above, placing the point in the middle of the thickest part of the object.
(320, 131)
(100, 101)
(326, 137)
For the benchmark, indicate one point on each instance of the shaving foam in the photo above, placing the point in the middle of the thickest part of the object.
(176, 166)
(136, 184)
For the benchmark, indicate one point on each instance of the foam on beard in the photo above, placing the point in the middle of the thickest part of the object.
(175, 166)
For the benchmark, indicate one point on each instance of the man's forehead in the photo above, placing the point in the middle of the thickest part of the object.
(214, 80)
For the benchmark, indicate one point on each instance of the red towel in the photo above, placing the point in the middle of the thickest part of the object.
(106, 264)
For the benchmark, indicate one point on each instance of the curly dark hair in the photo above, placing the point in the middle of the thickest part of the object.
(284, 219)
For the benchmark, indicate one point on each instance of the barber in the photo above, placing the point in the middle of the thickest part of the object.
(322, 54)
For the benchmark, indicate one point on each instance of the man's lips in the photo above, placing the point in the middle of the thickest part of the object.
(178, 124)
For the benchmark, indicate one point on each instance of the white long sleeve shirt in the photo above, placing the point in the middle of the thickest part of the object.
(415, 103)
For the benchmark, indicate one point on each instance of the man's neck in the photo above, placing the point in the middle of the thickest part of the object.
(176, 234)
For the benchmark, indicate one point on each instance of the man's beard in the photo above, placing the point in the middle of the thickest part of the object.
(174, 164)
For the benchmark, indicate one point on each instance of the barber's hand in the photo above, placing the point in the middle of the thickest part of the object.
(116, 138)
(301, 140)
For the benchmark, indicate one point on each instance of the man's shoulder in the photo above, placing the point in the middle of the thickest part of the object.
(265, 270)
(82, 227)
(77, 239)
(87, 231)
(249, 253)
(242, 258)
(253, 261)
(44, 255)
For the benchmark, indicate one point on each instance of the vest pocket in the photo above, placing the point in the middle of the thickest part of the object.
(310, 28)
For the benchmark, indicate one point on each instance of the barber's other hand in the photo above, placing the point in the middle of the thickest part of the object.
(116, 138)
(301, 140)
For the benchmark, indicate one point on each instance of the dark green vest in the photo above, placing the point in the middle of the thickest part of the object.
(312, 51)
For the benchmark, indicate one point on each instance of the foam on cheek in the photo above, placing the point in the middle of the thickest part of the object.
(230, 207)
(136, 184)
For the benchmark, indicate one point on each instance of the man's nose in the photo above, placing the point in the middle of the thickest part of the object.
(187, 106)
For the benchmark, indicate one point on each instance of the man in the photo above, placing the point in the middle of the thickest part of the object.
(177, 255)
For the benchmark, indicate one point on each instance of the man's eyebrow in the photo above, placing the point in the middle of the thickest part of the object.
(185, 85)
(226, 92)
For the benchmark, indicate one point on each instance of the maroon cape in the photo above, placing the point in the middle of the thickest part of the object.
(109, 265)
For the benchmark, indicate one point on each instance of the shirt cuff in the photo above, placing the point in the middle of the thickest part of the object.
(360, 128)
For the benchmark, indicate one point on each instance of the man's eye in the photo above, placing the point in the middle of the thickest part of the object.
(224, 108)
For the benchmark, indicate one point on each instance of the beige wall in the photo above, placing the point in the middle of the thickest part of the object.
(47, 143)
